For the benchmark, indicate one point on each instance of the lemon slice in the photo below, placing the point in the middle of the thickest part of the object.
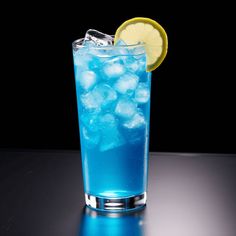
(149, 32)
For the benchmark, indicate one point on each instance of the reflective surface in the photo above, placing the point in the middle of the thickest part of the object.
(111, 224)
(41, 194)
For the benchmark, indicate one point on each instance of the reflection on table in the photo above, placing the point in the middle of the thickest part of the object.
(94, 223)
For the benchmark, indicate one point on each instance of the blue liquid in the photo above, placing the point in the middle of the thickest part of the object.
(113, 98)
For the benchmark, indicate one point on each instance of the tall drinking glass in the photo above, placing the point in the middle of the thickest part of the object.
(113, 99)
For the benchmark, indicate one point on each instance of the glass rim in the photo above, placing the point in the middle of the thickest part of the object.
(77, 44)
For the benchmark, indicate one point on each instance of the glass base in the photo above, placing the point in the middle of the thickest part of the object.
(116, 204)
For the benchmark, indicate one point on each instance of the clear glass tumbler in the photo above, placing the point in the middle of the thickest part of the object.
(113, 99)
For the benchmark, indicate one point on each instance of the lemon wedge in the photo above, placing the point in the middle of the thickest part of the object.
(149, 32)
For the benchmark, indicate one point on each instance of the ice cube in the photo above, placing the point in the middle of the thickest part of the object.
(125, 108)
(136, 65)
(127, 83)
(100, 97)
(139, 51)
(89, 43)
(91, 101)
(107, 93)
(82, 60)
(90, 139)
(135, 128)
(142, 63)
(90, 121)
(111, 139)
(136, 135)
(120, 43)
(142, 93)
(121, 49)
(86, 61)
(94, 37)
(113, 68)
(87, 79)
(100, 53)
(110, 136)
(107, 120)
(132, 65)
(136, 121)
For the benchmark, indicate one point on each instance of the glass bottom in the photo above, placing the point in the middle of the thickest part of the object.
(116, 204)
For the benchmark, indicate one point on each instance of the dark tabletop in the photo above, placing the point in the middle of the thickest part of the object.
(41, 194)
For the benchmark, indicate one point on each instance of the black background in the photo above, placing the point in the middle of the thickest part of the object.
(193, 94)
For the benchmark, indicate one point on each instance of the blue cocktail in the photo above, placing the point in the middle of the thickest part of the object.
(113, 98)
